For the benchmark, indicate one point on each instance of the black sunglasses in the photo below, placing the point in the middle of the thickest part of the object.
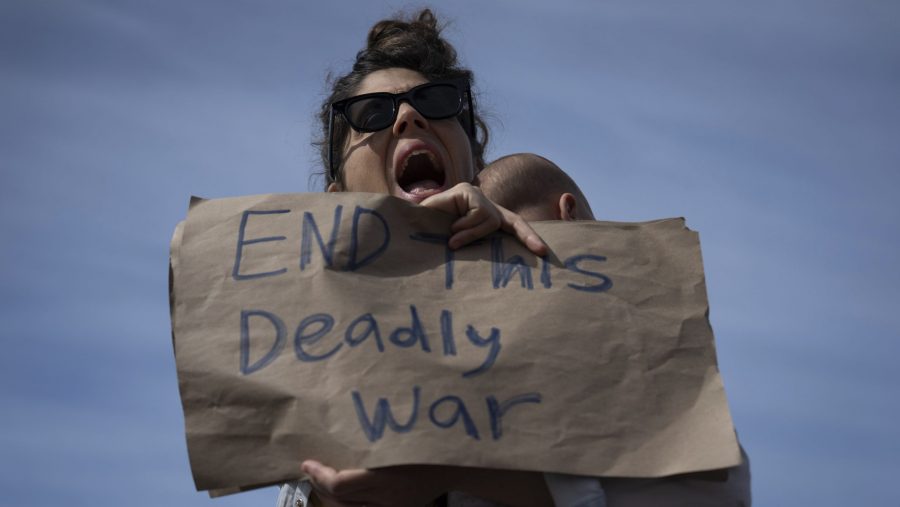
(371, 112)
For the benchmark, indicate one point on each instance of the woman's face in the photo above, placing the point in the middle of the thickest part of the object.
(412, 159)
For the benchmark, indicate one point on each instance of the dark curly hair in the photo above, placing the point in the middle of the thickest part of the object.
(414, 44)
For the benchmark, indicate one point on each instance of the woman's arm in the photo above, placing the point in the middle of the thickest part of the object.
(416, 485)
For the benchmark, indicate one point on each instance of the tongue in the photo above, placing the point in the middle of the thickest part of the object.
(421, 186)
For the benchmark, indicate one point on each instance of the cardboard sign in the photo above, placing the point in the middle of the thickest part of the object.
(340, 327)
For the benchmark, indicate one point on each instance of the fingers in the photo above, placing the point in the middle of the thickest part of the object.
(479, 217)
(472, 231)
(481, 222)
(517, 226)
(475, 217)
(413, 485)
(456, 200)
(337, 484)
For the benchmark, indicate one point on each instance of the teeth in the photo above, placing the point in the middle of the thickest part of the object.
(420, 152)
(419, 176)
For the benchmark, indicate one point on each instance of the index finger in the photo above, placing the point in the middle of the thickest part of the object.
(517, 226)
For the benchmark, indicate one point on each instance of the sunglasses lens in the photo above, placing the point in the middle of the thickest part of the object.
(434, 101)
(437, 101)
(371, 114)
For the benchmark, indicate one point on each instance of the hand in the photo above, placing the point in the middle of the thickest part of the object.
(416, 485)
(409, 485)
(480, 217)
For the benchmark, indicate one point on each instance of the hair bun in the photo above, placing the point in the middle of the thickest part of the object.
(390, 33)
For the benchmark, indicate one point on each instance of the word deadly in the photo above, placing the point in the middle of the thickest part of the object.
(314, 340)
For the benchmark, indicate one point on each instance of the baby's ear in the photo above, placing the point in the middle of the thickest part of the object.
(334, 187)
(567, 205)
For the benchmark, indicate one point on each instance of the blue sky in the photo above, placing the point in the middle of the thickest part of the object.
(771, 126)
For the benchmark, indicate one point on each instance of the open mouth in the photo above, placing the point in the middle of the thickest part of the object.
(421, 172)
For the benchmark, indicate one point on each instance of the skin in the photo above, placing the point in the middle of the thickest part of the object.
(498, 182)
(373, 162)
(565, 208)
(416, 485)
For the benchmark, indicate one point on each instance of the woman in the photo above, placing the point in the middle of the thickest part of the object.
(403, 123)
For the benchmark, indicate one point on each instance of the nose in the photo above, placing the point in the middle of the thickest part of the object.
(408, 117)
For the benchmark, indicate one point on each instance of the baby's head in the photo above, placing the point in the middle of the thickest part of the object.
(534, 187)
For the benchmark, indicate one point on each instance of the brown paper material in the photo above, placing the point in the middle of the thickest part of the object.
(338, 327)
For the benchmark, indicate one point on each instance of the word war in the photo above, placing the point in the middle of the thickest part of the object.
(445, 412)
